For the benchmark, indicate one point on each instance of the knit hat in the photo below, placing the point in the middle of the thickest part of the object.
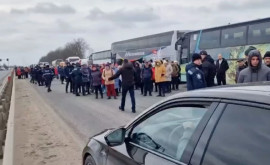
(267, 54)
(196, 56)
(203, 52)
(249, 49)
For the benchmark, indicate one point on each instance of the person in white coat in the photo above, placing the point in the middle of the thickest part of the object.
(168, 76)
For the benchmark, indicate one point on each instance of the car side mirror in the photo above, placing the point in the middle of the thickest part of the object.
(116, 137)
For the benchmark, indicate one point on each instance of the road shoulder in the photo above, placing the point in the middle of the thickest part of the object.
(39, 135)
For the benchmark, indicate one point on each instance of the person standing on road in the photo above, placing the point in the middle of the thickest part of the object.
(168, 76)
(266, 59)
(107, 73)
(195, 76)
(128, 76)
(48, 77)
(19, 73)
(61, 73)
(255, 71)
(240, 67)
(221, 66)
(208, 68)
(160, 79)
(85, 79)
(175, 76)
(96, 80)
(39, 76)
(138, 80)
(249, 49)
(147, 78)
(68, 71)
(117, 80)
(77, 77)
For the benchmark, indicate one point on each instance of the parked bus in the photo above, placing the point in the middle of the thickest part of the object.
(230, 40)
(101, 57)
(157, 46)
(73, 60)
(57, 62)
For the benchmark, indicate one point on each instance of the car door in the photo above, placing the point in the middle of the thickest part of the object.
(238, 134)
(164, 135)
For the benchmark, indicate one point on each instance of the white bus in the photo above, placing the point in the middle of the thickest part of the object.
(157, 46)
(73, 60)
(101, 57)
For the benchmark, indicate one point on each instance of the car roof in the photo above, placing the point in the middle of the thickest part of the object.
(246, 92)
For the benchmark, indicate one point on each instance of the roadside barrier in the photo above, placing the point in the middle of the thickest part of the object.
(5, 101)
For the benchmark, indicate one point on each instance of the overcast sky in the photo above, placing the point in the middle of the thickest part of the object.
(29, 29)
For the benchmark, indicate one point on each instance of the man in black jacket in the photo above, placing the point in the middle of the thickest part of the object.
(221, 66)
(209, 68)
(68, 70)
(128, 75)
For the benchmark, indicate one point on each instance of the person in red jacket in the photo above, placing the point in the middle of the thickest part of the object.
(19, 73)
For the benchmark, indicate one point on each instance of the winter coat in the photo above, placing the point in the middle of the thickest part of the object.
(175, 71)
(147, 73)
(169, 71)
(153, 73)
(209, 70)
(48, 74)
(85, 74)
(254, 74)
(116, 81)
(238, 70)
(68, 71)
(160, 72)
(61, 71)
(222, 68)
(138, 74)
(106, 74)
(128, 75)
(195, 77)
(56, 71)
(96, 77)
(19, 72)
(77, 75)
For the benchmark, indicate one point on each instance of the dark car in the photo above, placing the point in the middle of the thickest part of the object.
(219, 126)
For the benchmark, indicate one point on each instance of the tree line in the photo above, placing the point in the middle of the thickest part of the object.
(77, 47)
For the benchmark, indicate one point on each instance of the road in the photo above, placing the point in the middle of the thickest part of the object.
(3, 75)
(86, 116)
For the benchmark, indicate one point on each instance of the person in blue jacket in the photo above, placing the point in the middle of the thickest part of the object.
(67, 71)
(195, 76)
(48, 77)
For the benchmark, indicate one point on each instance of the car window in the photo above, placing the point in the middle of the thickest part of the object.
(242, 136)
(168, 131)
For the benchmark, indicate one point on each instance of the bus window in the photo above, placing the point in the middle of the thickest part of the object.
(234, 36)
(193, 41)
(184, 56)
(210, 40)
(259, 33)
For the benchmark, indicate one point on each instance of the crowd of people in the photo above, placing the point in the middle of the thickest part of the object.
(203, 70)
(160, 76)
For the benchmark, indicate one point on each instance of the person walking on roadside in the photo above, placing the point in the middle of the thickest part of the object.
(221, 66)
(147, 78)
(255, 71)
(85, 79)
(160, 79)
(175, 76)
(77, 77)
(68, 71)
(128, 80)
(48, 77)
(195, 76)
(266, 59)
(19, 73)
(208, 68)
(39, 76)
(107, 73)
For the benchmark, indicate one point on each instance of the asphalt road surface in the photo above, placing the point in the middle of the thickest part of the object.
(87, 116)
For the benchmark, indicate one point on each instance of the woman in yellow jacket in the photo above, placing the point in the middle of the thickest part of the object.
(106, 74)
(160, 79)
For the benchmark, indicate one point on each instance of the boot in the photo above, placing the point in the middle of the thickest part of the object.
(109, 97)
(115, 97)
(102, 96)
(97, 97)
